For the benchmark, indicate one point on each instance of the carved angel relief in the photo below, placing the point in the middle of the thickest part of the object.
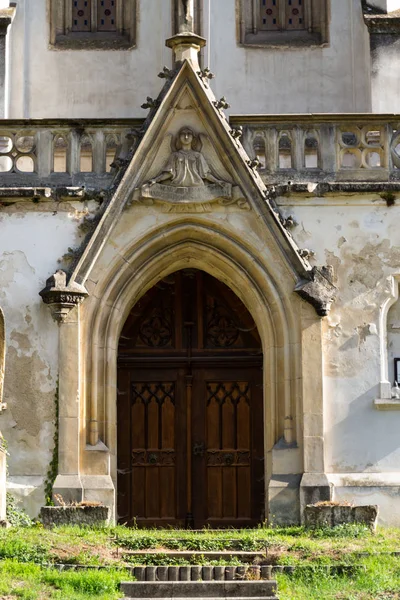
(187, 178)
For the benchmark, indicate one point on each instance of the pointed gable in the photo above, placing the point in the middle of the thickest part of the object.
(187, 100)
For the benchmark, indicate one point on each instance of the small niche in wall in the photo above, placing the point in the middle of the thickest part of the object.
(393, 341)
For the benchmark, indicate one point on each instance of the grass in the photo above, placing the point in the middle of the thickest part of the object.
(34, 582)
(27, 555)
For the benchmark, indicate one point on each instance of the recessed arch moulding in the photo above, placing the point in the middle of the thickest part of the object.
(130, 264)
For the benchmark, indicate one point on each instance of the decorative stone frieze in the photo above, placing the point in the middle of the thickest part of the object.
(60, 297)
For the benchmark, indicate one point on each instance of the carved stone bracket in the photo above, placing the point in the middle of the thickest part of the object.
(319, 290)
(60, 297)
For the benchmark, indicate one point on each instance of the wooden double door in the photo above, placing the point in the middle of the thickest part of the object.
(190, 408)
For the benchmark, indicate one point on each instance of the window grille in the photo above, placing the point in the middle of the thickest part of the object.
(93, 24)
(283, 22)
(282, 14)
(107, 15)
(81, 15)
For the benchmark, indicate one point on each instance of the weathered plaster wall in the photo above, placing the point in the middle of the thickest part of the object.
(30, 244)
(62, 83)
(261, 80)
(385, 65)
(359, 237)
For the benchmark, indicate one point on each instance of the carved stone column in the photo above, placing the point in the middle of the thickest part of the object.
(7, 11)
(64, 305)
(314, 485)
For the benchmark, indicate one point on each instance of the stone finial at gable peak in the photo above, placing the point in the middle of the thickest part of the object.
(185, 44)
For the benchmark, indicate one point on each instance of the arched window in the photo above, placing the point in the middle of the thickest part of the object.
(102, 24)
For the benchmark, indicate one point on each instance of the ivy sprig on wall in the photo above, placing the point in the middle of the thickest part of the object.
(53, 466)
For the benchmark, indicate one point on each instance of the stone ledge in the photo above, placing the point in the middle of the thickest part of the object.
(387, 404)
(200, 589)
(74, 515)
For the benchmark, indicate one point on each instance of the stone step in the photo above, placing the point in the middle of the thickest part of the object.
(251, 590)
(244, 556)
(197, 572)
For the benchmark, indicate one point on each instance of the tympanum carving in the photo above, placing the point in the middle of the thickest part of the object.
(187, 177)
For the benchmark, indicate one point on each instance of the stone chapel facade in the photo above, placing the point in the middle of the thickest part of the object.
(200, 272)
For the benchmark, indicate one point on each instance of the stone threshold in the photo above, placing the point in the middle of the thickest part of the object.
(199, 589)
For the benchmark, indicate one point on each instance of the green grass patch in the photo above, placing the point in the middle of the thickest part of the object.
(34, 582)
(27, 555)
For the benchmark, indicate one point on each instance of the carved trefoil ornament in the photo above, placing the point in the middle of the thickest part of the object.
(187, 178)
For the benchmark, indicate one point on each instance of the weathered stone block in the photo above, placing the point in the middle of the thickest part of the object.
(151, 573)
(219, 573)
(173, 573)
(184, 573)
(162, 573)
(207, 573)
(342, 515)
(196, 572)
(318, 516)
(366, 514)
(74, 515)
(332, 515)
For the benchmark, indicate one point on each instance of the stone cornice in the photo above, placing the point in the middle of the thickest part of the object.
(6, 17)
(382, 24)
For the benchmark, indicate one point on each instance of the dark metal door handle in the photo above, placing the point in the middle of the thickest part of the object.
(198, 449)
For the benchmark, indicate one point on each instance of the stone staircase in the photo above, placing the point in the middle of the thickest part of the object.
(176, 590)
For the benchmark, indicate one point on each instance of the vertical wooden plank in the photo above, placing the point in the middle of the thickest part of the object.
(152, 425)
(201, 308)
(168, 425)
(152, 492)
(228, 424)
(243, 493)
(243, 425)
(229, 492)
(167, 493)
(138, 493)
(214, 492)
(213, 425)
(137, 424)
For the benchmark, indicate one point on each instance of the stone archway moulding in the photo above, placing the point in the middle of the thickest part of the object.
(89, 345)
(142, 266)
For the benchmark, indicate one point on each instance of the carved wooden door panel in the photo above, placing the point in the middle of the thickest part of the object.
(151, 478)
(228, 447)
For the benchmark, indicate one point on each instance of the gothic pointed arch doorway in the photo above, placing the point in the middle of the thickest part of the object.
(190, 419)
